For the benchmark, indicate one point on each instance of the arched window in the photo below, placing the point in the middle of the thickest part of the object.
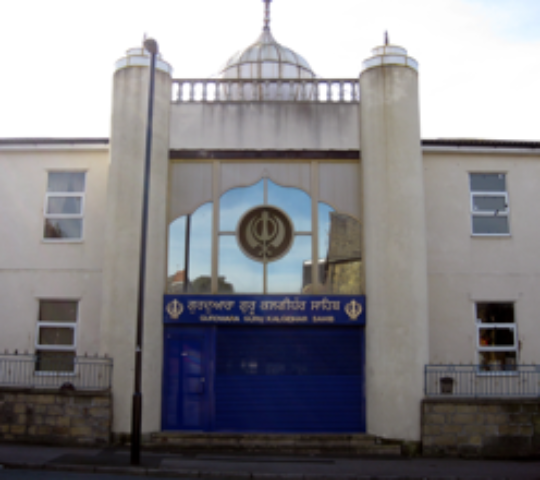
(265, 243)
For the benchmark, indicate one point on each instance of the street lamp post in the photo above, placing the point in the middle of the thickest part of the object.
(136, 413)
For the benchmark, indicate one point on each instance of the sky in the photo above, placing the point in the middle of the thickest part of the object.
(479, 59)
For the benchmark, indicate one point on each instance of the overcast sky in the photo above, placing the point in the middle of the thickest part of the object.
(479, 59)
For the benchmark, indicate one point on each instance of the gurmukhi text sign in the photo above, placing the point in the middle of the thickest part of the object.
(265, 309)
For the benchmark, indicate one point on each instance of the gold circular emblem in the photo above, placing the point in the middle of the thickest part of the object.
(265, 234)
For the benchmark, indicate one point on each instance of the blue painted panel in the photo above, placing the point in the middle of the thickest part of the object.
(185, 377)
(289, 379)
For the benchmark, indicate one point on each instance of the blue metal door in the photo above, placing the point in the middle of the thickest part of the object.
(186, 404)
(289, 379)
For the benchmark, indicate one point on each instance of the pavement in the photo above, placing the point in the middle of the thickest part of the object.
(257, 466)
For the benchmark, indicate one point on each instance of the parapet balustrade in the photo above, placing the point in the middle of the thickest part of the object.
(263, 90)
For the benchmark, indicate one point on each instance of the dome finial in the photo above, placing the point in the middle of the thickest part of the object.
(267, 14)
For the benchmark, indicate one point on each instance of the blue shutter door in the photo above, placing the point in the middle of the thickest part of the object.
(185, 379)
(289, 379)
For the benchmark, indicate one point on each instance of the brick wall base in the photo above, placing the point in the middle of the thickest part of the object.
(55, 417)
(501, 428)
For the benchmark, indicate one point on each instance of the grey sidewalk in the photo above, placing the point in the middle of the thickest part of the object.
(258, 466)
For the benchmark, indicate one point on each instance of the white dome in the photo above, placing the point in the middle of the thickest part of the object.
(267, 59)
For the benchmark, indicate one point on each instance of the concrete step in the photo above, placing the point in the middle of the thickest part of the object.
(294, 444)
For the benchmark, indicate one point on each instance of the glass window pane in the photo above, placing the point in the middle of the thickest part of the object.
(287, 274)
(488, 182)
(497, 337)
(490, 225)
(495, 312)
(55, 361)
(237, 273)
(485, 203)
(63, 228)
(66, 182)
(498, 361)
(176, 256)
(55, 336)
(344, 269)
(199, 272)
(293, 201)
(57, 311)
(234, 203)
(324, 229)
(64, 205)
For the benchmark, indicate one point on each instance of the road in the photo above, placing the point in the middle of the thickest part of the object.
(9, 474)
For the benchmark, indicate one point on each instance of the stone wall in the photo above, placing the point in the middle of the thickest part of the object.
(481, 428)
(55, 417)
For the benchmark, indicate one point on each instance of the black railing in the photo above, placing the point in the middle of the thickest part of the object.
(482, 381)
(55, 370)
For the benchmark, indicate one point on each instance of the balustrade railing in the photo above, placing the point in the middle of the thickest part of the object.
(62, 371)
(262, 90)
(481, 381)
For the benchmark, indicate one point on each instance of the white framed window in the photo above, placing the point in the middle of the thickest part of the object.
(64, 206)
(56, 335)
(496, 336)
(489, 204)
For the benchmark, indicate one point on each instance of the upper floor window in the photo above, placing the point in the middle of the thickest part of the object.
(489, 204)
(64, 206)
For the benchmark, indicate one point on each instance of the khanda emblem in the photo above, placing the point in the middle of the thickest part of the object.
(174, 309)
(353, 309)
(265, 234)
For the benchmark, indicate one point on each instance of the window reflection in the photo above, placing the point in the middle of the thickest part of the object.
(287, 274)
(324, 229)
(236, 202)
(193, 276)
(343, 266)
(339, 250)
(295, 202)
(237, 273)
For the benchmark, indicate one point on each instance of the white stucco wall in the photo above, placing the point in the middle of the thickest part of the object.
(464, 269)
(32, 268)
(275, 126)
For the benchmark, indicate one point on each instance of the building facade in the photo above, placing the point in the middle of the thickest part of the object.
(308, 254)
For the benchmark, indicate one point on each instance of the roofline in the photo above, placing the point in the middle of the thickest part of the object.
(54, 141)
(480, 143)
(434, 145)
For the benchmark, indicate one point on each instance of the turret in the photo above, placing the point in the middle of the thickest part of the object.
(123, 232)
(394, 243)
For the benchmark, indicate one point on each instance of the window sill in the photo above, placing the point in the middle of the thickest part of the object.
(491, 235)
(51, 241)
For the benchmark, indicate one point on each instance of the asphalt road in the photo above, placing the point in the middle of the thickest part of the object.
(9, 474)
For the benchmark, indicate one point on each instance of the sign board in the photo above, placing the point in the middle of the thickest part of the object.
(265, 309)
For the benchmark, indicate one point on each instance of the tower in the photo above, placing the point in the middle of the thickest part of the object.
(123, 227)
(394, 243)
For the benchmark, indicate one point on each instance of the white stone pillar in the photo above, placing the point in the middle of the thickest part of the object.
(123, 231)
(394, 243)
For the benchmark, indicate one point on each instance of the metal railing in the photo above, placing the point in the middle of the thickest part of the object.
(262, 90)
(49, 370)
(482, 381)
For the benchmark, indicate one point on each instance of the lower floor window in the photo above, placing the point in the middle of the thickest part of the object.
(56, 335)
(497, 340)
